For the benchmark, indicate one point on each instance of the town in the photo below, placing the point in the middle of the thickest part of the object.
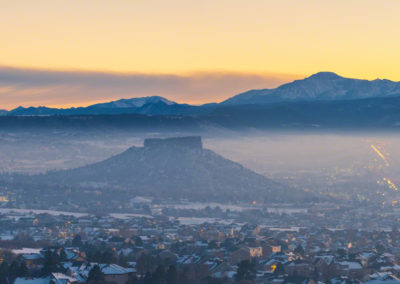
(202, 243)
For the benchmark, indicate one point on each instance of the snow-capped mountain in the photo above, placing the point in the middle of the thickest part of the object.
(144, 105)
(320, 86)
(133, 102)
(322, 100)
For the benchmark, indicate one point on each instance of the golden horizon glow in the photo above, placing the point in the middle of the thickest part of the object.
(353, 38)
(62, 88)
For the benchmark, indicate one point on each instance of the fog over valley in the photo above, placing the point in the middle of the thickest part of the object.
(334, 163)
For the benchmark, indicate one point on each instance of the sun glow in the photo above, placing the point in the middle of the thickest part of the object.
(352, 38)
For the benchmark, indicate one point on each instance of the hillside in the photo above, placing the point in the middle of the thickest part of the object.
(172, 168)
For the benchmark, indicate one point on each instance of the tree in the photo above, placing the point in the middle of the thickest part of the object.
(279, 268)
(122, 260)
(229, 245)
(77, 241)
(22, 270)
(147, 278)
(108, 257)
(172, 275)
(97, 256)
(144, 264)
(63, 255)
(4, 269)
(138, 241)
(341, 252)
(212, 245)
(159, 275)
(299, 250)
(13, 269)
(380, 248)
(133, 280)
(96, 275)
(245, 271)
(50, 263)
(184, 276)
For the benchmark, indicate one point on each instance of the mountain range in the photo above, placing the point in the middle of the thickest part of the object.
(322, 100)
(154, 105)
(325, 86)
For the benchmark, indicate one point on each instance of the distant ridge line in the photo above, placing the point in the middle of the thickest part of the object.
(185, 141)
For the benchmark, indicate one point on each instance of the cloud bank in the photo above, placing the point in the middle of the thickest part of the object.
(32, 87)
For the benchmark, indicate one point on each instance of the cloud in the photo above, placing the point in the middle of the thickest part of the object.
(34, 87)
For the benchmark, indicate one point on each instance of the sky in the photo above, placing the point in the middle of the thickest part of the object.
(71, 52)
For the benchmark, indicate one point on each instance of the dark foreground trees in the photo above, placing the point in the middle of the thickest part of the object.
(95, 275)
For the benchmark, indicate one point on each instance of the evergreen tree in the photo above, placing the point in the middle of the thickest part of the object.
(22, 270)
(144, 264)
(245, 271)
(63, 255)
(108, 257)
(299, 250)
(13, 270)
(50, 263)
(122, 260)
(4, 270)
(147, 278)
(138, 241)
(96, 276)
(77, 241)
(159, 275)
(172, 275)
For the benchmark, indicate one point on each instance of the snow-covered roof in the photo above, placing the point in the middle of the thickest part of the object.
(32, 256)
(115, 269)
(21, 280)
(26, 251)
(351, 264)
(107, 269)
(60, 278)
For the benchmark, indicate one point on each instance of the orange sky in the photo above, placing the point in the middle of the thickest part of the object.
(357, 38)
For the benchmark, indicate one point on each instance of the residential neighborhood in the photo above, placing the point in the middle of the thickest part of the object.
(319, 244)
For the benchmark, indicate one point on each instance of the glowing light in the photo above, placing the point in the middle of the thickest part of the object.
(390, 183)
(3, 199)
(380, 155)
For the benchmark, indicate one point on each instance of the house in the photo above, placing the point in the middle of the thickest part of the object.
(298, 269)
(32, 260)
(113, 273)
(140, 202)
(116, 274)
(351, 268)
(239, 255)
(380, 277)
(255, 252)
(54, 278)
(245, 253)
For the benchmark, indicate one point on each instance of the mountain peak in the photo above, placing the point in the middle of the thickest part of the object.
(133, 102)
(323, 86)
(325, 75)
(187, 142)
